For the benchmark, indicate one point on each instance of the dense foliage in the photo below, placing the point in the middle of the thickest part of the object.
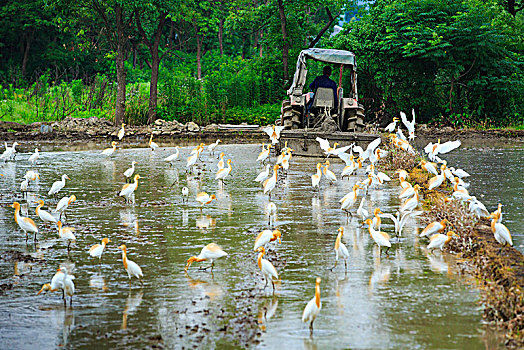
(458, 62)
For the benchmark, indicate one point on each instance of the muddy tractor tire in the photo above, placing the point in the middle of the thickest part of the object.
(291, 118)
(353, 120)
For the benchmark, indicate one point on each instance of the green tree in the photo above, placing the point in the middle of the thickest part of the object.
(440, 57)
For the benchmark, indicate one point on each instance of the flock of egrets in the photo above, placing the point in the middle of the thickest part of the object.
(355, 159)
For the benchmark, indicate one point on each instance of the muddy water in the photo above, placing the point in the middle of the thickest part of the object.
(496, 177)
(407, 300)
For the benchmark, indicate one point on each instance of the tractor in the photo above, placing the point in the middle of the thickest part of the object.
(305, 110)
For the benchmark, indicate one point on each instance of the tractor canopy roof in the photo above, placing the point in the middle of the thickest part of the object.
(328, 56)
(342, 57)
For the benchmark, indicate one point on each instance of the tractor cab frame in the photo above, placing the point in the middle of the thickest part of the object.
(299, 113)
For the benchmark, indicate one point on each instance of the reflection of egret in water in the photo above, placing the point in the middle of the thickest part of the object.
(128, 218)
(266, 311)
(328, 193)
(193, 184)
(132, 303)
(209, 289)
(9, 171)
(97, 281)
(20, 269)
(339, 287)
(310, 344)
(63, 318)
(185, 217)
(172, 176)
(438, 263)
(109, 169)
(206, 221)
(24, 209)
(224, 201)
(360, 239)
(381, 273)
(316, 212)
(32, 195)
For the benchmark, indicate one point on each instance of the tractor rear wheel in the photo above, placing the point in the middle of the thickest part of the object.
(291, 117)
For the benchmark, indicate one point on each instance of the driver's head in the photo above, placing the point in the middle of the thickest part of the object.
(326, 71)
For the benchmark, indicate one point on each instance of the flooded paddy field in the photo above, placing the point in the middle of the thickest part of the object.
(409, 299)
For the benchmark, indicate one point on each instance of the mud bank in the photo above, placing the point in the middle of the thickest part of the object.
(95, 129)
(101, 130)
(499, 270)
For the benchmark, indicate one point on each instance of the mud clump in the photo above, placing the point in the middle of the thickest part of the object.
(14, 255)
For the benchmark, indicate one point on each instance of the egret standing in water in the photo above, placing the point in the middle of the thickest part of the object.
(203, 198)
(109, 151)
(313, 307)
(55, 283)
(96, 250)
(185, 193)
(224, 172)
(265, 237)
(58, 185)
(34, 157)
(152, 144)
(121, 132)
(128, 189)
(173, 157)
(263, 175)
(264, 154)
(340, 249)
(66, 234)
(132, 268)
(270, 183)
(380, 238)
(268, 270)
(26, 224)
(210, 252)
(129, 172)
(45, 216)
(63, 204)
(315, 178)
(212, 146)
(271, 211)
(67, 285)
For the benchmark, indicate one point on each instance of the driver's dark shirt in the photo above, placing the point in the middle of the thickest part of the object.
(325, 82)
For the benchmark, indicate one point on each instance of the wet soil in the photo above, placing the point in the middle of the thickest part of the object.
(92, 129)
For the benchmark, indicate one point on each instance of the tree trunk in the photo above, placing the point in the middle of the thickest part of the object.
(199, 40)
(243, 47)
(153, 90)
(29, 40)
(221, 36)
(155, 62)
(120, 68)
(511, 7)
(285, 48)
(259, 44)
(326, 27)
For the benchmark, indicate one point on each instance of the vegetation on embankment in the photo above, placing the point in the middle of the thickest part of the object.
(45, 102)
(499, 270)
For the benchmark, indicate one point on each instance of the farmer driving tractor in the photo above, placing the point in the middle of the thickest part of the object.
(325, 82)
